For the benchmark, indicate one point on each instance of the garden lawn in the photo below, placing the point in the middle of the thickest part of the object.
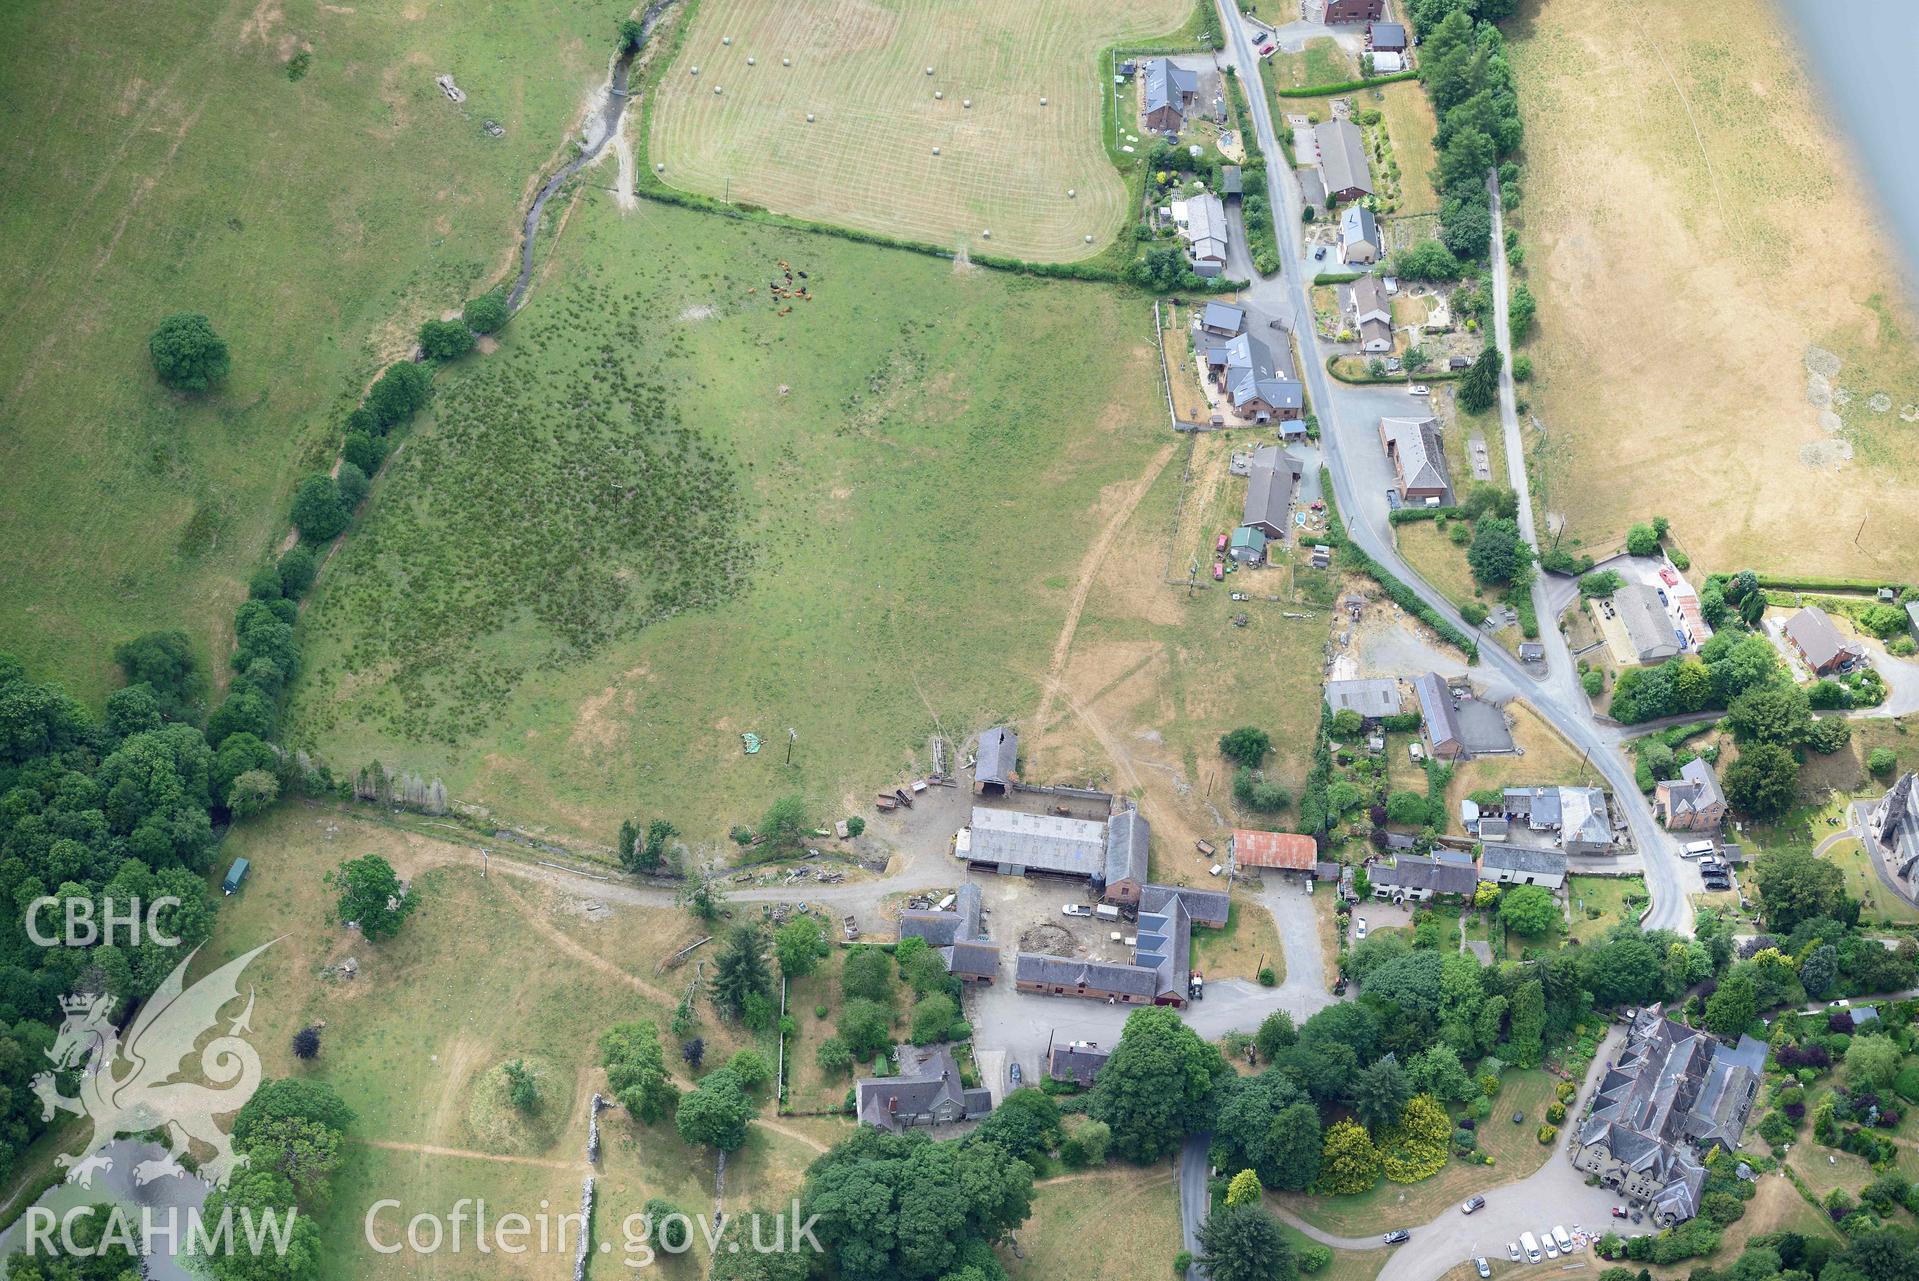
(160, 159)
(1321, 62)
(1608, 894)
(1411, 125)
(1877, 903)
(665, 514)
(1440, 561)
(1515, 1149)
(1347, 1265)
(1776, 1206)
(1117, 1223)
(1237, 952)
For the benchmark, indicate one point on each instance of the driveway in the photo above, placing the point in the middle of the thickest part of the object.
(1556, 1193)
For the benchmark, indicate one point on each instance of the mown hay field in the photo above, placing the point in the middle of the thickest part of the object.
(1722, 332)
(663, 514)
(159, 158)
(866, 159)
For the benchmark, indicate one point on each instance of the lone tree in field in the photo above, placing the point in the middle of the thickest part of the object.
(486, 314)
(1246, 745)
(445, 339)
(371, 894)
(306, 1043)
(187, 354)
(522, 1089)
(717, 1111)
(741, 971)
(785, 825)
(636, 1069)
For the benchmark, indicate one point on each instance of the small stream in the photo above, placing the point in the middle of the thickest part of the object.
(600, 131)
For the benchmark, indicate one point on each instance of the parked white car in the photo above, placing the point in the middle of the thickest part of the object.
(1076, 909)
(1359, 929)
(1419, 389)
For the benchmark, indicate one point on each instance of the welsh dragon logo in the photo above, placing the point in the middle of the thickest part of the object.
(145, 1097)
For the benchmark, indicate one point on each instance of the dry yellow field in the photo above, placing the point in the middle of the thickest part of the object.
(866, 159)
(1702, 246)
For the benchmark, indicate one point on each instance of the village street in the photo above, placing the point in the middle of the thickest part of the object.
(1346, 422)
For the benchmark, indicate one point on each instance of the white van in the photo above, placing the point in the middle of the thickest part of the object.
(1530, 1246)
(1565, 1241)
(1698, 849)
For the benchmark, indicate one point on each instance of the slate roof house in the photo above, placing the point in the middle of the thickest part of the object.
(1076, 1061)
(1521, 865)
(1577, 815)
(994, 767)
(1167, 92)
(957, 936)
(1419, 879)
(1440, 722)
(1358, 235)
(1673, 1096)
(1342, 160)
(1693, 802)
(1648, 630)
(1259, 380)
(1269, 490)
(1161, 971)
(927, 1091)
(1418, 458)
(1371, 698)
(1111, 854)
(1811, 633)
(1205, 232)
(1221, 320)
(1372, 315)
(1894, 823)
(1388, 36)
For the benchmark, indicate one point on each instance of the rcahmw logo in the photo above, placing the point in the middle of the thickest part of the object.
(159, 1231)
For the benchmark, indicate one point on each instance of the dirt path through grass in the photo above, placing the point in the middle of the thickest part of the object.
(1083, 584)
(434, 1149)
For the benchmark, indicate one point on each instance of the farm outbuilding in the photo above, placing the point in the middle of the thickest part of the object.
(1278, 851)
(996, 766)
(1371, 698)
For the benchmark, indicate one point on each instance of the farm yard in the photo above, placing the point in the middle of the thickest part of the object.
(1683, 189)
(168, 158)
(664, 515)
(865, 157)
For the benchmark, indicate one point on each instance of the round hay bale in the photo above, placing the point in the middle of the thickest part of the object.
(1089, 240)
(658, 167)
(726, 39)
(966, 102)
(809, 117)
(986, 235)
(939, 95)
(750, 62)
(1042, 102)
(786, 62)
(694, 72)
(929, 71)
(1072, 193)
(936, 151)
(717, 89)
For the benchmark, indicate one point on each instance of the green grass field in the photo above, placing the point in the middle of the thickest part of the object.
(663, 515)
(160, 159)
(487, 969)
(866, 158)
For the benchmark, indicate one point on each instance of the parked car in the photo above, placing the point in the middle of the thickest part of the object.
(1359, 929)
(1485, 1268)
(1319, 254)
(1419, 389)
(1565, 1241)
(1550, 1246)
(1619, 1212)
(1396, 1236)
(1013, 1074)
(1076, 909)
(1392, 499)
(1512, 1251)
(1472, 1203)
(1532, 1247)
